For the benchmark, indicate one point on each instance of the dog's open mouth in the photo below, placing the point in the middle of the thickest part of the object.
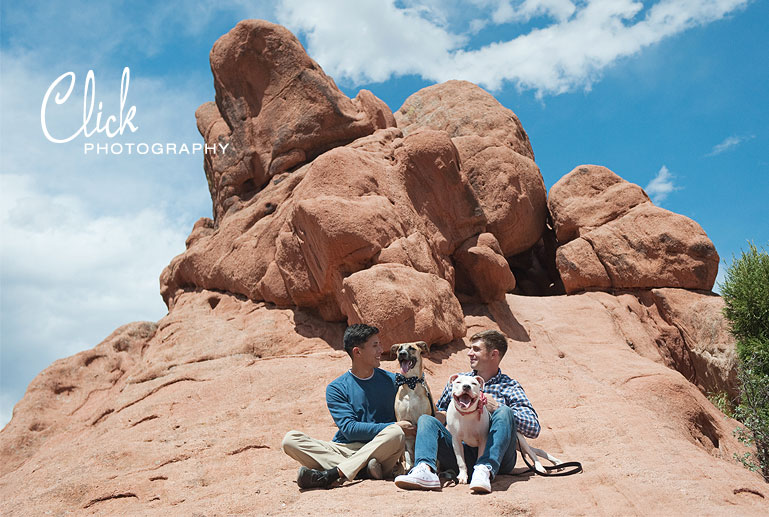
(407, 365)
(464, 401)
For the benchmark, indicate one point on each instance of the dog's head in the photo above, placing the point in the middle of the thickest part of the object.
(465, 390)
(409, 356)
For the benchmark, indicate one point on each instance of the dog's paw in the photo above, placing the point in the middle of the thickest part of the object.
(539, 467)
(462, 478)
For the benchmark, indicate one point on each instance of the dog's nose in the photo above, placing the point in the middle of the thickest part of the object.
(465, 387)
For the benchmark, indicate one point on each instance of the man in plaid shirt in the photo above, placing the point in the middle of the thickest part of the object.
(512, 412)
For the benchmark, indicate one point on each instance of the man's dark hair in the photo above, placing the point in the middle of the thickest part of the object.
(492, 339)
(356, 335)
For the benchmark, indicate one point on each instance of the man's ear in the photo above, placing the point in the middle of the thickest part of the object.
(393, 349)
(453, 377)
(480, 380)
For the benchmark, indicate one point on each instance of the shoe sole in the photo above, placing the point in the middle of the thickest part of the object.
(411, 485)
(477, 489)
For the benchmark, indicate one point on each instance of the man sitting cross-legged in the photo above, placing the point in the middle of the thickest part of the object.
(515, 413)
(361, 402)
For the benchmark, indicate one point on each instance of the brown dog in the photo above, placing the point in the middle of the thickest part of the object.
(413, 398)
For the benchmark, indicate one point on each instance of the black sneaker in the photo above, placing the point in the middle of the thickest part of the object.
(312, 478)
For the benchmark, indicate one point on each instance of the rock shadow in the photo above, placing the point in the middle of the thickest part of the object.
(309, 325)
(499, 312)
(439, 353)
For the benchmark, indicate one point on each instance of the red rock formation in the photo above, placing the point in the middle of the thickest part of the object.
(612, 236)
(496, 157)
(187, 416)
(277, 110)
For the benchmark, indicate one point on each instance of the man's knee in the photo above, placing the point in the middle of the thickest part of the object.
(427, 421)
(503, 415)
(291, 440)
(394, 432)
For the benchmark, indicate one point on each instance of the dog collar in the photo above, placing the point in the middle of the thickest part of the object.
(479, 409)
(400, 380)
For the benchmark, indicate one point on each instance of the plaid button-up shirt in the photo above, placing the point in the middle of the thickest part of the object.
(506, 391)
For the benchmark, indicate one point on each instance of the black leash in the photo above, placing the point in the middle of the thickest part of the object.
(574, 465)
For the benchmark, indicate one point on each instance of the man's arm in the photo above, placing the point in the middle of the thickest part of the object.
(526, 418)
(346, 420)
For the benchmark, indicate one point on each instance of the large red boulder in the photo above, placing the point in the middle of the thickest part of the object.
(404, 302)
(612, 236)
(276, 109)
(589, 196)
(482, 271)
(495, 153)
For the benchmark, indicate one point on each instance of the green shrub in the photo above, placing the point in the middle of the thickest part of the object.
(753, 410)
(746, 296)
(746, 293)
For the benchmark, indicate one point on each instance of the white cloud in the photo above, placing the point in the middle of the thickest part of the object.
(661, 186)
(570, 53)
(729, 143)
(70, 277)
(387, 40)
(83, 239)
(509, 11)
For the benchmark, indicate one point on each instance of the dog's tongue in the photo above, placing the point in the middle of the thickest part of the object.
(406, 366)
(465, 400)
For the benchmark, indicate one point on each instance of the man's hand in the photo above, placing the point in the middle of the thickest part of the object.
(409, 429)
(491, 403)
(441, 416)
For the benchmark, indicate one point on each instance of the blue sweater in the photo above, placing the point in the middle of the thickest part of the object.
(361, 409)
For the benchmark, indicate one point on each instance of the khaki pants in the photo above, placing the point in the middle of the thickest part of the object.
(387, 447)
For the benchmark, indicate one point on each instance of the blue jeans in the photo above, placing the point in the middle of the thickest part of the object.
(433, 443)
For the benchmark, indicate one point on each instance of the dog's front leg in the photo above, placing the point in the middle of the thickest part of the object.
(481, 445)
(408, 455)
(459, 452)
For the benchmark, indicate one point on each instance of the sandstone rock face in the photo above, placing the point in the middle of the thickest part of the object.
(602, 221)
(383, 199)
(461, 109)
(699, 319)
(483, 270)
(589, 196)
(191, 419)
(405, 302)
(322, 188)
(277, 110)
(495, 153)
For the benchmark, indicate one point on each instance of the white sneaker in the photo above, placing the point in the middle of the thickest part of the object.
(481, 482)
(419, 478)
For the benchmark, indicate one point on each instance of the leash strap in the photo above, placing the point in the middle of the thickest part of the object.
(575, 466)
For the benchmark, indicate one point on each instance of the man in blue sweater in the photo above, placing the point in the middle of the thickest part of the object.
(361, 403)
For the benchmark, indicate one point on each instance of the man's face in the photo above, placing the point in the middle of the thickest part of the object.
(480, 356)
(370, 352)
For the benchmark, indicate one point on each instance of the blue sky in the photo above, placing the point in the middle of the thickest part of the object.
(671, 95)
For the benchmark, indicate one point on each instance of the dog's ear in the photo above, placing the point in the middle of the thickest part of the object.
(453, 378)
(423, 347)
(480, 380)
(393, 349)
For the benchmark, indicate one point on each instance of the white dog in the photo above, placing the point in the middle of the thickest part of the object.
(467, 419)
